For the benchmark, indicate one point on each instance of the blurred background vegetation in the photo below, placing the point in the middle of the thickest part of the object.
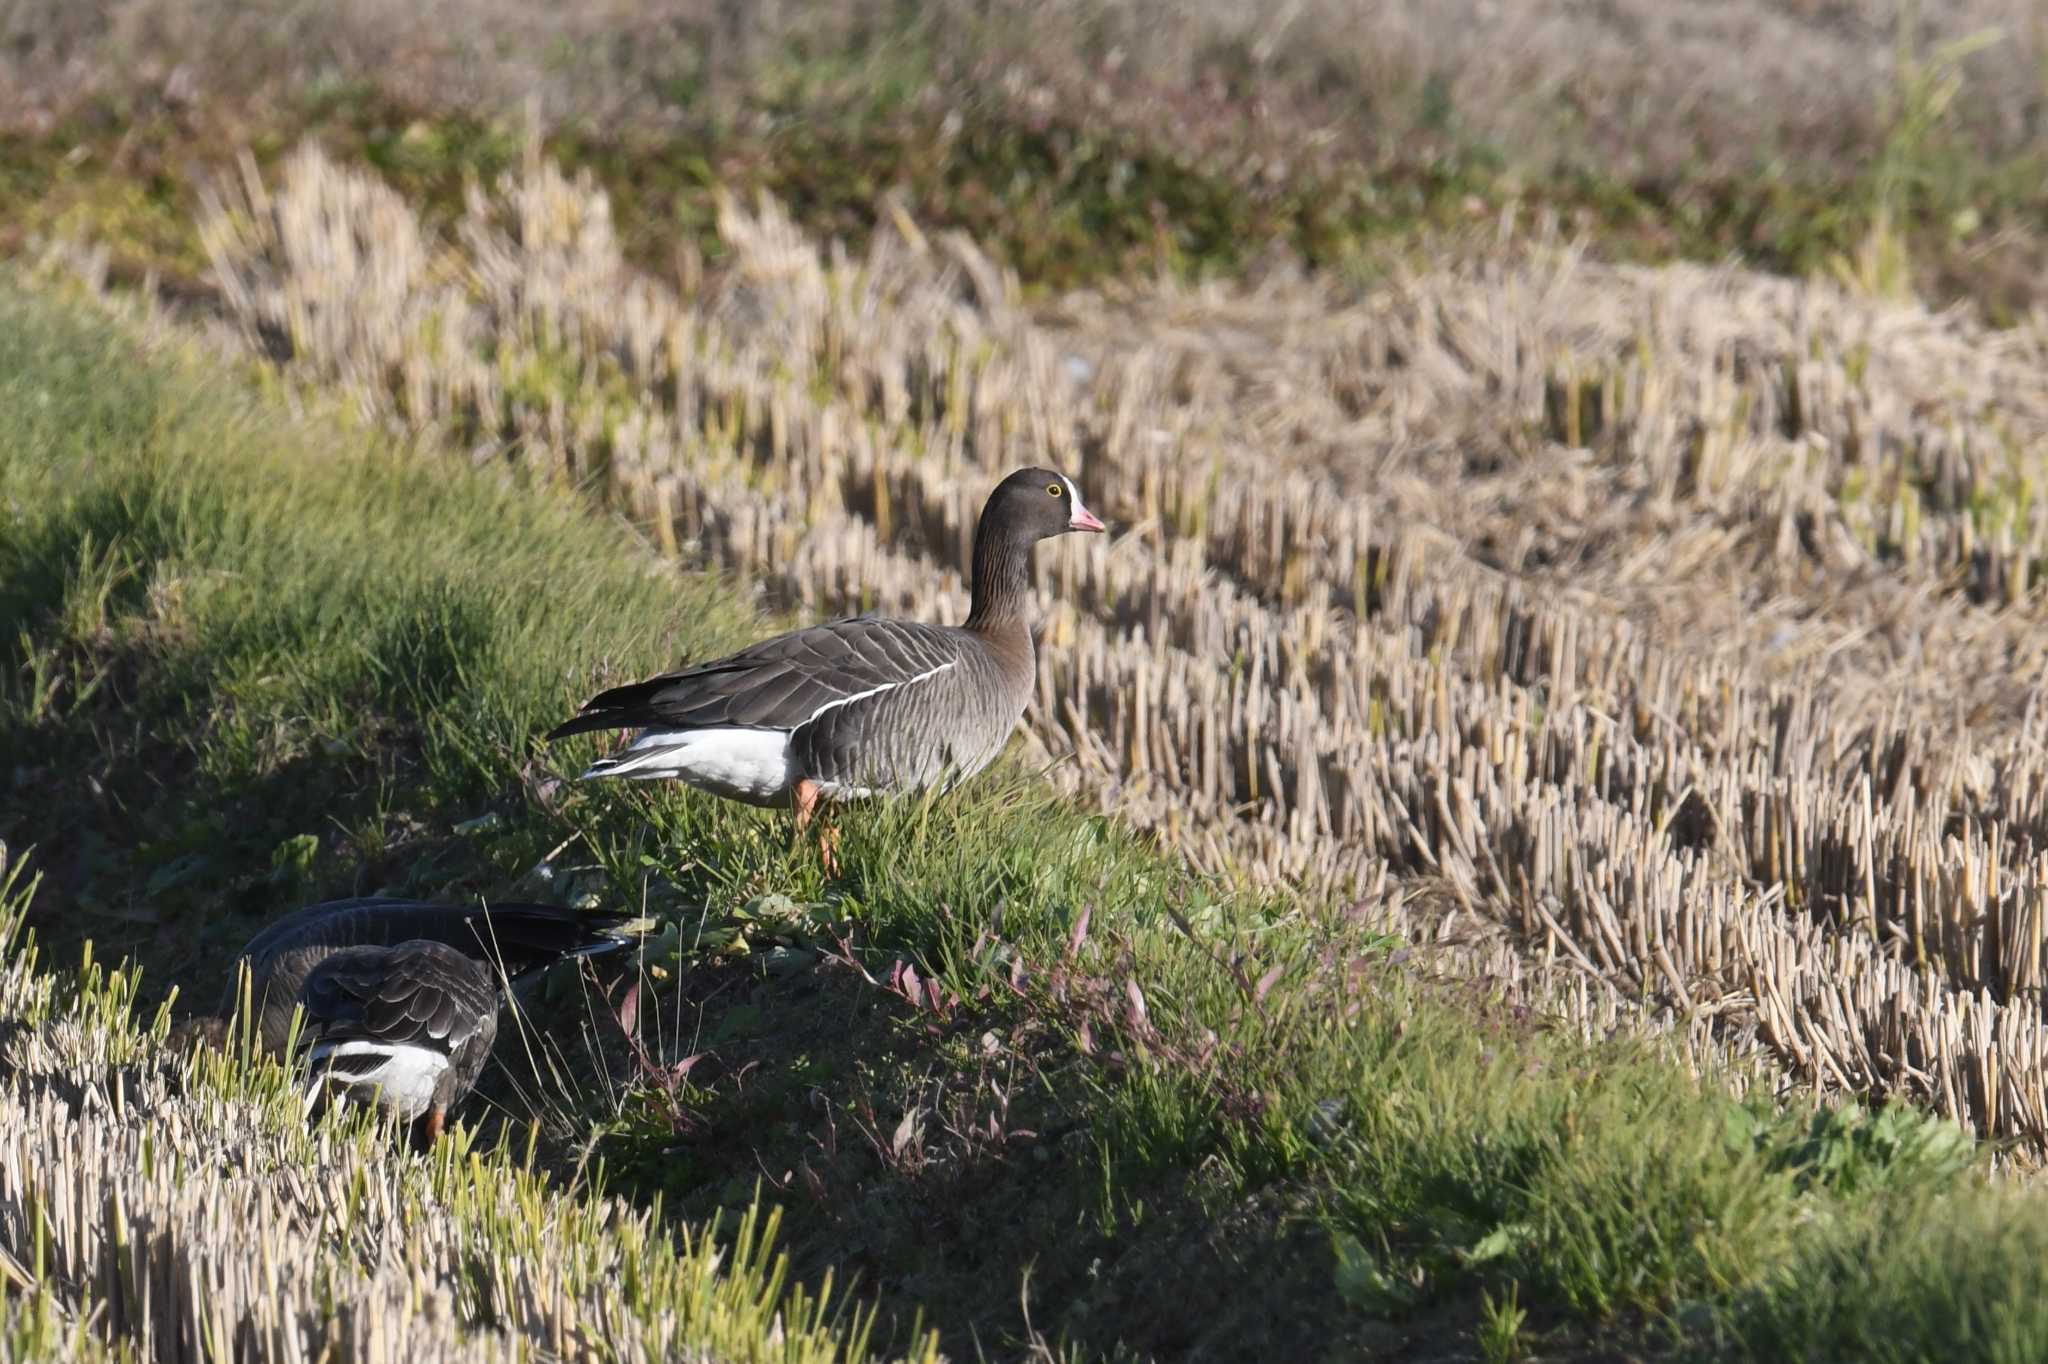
(1895, 145)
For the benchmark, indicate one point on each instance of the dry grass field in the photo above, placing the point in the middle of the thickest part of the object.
(1670, 629)
(1531, 840)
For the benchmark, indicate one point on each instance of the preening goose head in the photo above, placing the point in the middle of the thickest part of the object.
(399, 997)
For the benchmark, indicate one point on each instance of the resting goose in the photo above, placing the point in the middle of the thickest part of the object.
(855, 707)
(400, 996)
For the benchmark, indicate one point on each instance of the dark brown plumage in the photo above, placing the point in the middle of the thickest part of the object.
(855, 707)
(400, 997)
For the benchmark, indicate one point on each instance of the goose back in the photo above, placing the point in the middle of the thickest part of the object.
(779, 683)
(521, 937)
(935, 730)
(858, 706)
(408, 1027)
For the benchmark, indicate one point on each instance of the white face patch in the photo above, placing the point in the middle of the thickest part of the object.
(1080, 518)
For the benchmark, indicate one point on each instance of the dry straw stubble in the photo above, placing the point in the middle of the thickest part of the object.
(1680, 622)
(182, 1205)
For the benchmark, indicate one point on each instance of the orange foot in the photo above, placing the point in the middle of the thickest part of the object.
(807, 798)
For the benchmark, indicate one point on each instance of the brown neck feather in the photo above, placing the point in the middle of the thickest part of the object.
(1002, 579)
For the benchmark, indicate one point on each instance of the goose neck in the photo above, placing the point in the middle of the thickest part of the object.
(1002, 579)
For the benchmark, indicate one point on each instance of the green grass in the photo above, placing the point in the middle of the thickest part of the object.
(1928, 1277)
(240, 666)
(251, 659)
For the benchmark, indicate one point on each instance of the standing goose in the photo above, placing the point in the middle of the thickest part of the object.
(855, 707)
(400, 996)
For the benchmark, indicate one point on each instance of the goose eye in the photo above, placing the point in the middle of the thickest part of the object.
(1054, 489)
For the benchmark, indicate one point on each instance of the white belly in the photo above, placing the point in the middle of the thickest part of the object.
(740, 764)
(399, 1077)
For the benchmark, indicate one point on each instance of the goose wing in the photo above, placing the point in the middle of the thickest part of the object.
(524, 937)
(407, 1026)
(421, 994)
(782, 683)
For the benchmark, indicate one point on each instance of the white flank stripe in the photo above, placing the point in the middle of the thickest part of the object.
(739, 764)
(877, 691)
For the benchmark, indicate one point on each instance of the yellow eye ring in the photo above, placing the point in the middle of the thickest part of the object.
(1054, 489)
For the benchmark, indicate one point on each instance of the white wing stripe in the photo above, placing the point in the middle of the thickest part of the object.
(874, 691)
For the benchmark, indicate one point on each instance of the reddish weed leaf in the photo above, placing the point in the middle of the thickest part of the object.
(1080, 933)
(685, 1066)
(629, 1009)
(1137, 1001)
(1267, 982)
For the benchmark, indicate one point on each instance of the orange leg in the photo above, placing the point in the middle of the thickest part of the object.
(435, 1119)
(807, 799)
